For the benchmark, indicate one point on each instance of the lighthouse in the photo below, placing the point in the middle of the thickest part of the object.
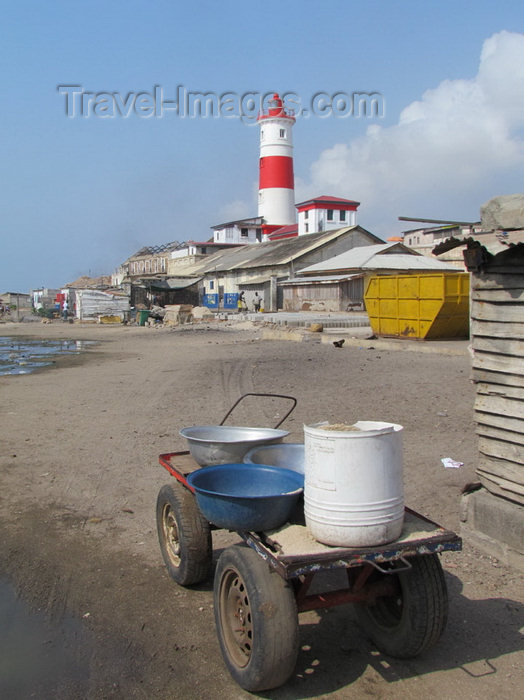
(276, 189)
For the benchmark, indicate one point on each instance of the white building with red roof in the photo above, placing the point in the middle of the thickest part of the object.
(325, 214)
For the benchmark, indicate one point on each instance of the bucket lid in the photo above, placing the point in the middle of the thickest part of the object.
(360, 428)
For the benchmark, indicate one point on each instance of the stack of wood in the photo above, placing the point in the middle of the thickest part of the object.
(497, 332)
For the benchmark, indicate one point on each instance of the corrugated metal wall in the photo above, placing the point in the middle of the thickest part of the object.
(90, 303)
(330, 297)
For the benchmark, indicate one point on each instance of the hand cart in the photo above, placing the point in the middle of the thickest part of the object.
(262, 583)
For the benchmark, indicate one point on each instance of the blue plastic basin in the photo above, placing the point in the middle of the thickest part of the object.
(251, 497)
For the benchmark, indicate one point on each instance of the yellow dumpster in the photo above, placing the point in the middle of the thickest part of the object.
(429, 305)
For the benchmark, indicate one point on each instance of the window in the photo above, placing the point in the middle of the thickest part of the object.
(343, 215)
(330, 214)
(306, 214)
(262, 134)
(307, 228)
(282, 133)
(259, 234)
(244, 232)
(211, 285)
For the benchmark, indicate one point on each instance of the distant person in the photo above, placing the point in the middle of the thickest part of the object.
(257, 302)
(242, 306)
(64, 310)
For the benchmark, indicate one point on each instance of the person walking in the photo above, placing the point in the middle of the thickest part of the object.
(257, 302)
(242, 306)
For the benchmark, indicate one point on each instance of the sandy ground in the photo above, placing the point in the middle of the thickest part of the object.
(79, 480)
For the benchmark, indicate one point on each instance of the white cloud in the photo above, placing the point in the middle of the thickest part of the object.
(457, 146)
(238, 209)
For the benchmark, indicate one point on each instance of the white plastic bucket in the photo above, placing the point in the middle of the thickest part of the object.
(353, 489)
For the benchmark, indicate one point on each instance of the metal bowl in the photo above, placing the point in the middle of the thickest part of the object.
(290, 455)
(221, 444)
(252, 497)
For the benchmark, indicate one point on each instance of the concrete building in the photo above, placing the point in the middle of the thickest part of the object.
(433, 241)
(325, 214)
(44, 298)
(260, 267)
(16, 299)
(239, 232)
(148, 261)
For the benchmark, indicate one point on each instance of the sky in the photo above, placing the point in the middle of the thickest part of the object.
(96, 163)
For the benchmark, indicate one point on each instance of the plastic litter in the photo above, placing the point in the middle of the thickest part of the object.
(451, 463)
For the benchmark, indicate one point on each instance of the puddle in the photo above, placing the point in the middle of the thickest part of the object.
(39, 659)
(23, 356)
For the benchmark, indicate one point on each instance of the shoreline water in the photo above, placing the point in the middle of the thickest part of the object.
(19, 355)
(79, 476)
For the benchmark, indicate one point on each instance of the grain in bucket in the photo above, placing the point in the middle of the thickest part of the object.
(353, 490)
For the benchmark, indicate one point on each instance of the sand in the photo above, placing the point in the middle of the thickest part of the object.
(80, 475)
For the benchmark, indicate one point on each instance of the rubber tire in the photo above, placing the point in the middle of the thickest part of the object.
(184, 535)
(260, 643)
(404, 626)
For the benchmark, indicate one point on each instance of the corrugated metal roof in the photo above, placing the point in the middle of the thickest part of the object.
(173, 283)
(212, 244)
(378, 257)
(165, 283)
(256, 220)
(478, 258)
(328, 279)
(493, 241)
(266, 254)
(402, 261)
(263, 279)
(182, 282)
(351, 259)
(327, 199)
(284, 231)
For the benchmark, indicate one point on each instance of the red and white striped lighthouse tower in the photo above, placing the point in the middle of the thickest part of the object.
(276, 189)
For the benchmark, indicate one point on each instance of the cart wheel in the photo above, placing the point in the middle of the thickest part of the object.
(184, 535)
(407, 623)
(256, 620)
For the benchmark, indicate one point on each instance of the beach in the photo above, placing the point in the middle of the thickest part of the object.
(80, 475)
